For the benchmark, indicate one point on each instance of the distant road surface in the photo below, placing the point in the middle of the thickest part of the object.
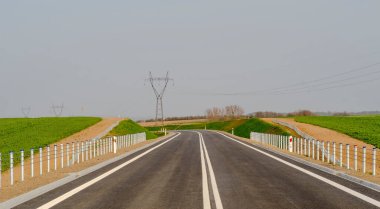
(207, 170)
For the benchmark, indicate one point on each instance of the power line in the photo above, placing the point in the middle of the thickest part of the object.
(331, 87)
(330, 82)
(308, 84)
(331, 76)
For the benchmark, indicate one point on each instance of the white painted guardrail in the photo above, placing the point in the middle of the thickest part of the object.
(323, 151)
(61, 156)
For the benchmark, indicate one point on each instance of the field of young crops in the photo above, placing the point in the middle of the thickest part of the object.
(27, 133)
(365, 128)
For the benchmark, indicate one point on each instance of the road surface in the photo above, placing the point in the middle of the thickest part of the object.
(207, 170)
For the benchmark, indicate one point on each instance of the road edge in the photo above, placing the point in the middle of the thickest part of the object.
(365, 183)
(71, 177)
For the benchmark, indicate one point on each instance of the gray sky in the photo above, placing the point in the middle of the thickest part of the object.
(94, 55)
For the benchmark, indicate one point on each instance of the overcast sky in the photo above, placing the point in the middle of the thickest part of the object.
(283, 55)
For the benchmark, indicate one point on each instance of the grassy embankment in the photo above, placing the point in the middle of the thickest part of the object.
(364, 128)
(27, 133)
(130, 127)
(242, 127)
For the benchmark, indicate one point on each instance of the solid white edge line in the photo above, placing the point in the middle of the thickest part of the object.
(218, 201)
(332, 183)
(206, 194)
(95, 180)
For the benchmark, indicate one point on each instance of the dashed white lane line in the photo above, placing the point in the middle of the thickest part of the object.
(205, 191)
(97, 179)
(332, 183)
(214, 186)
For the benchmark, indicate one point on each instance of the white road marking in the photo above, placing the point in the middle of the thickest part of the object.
(332, 183)
(206, 194)
(218, 201)
(95, 180)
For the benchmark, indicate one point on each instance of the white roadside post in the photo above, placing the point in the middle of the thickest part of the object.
(100, 147)
(73, 153)
(374, 162)
(82, 151)
(305, 147)
(90, 144)
(114, 144)
(22, 164)
(77, 153)
(68, 154)
(355, 158)
(40, 152)
(55, 157)
(11, 165)
(299, 145)
(48, 159)
(231, 132)
(85, 151)
(62, 156)
(94, 143)
(97, 147)
(348, 156)
(328, 152)
(323, 151)
(32, 162)
(334, 152)
(364, 159)
(341, 154)
(313, 151)
(104, 146)
(317, 149)
(290, 143)
(308, 147)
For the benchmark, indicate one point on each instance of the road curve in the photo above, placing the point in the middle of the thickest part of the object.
(207, 170)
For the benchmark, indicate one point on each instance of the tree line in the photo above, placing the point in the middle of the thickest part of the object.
(227, 112)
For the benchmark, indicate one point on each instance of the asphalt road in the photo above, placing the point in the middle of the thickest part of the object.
(207, 170)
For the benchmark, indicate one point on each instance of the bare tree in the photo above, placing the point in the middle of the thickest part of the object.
(234, 111)
(228, 112)
(214, 113)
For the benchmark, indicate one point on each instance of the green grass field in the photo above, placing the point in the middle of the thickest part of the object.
(27, 133)
(365, 128)
(257, 125)
(242, 127)
(130, 127)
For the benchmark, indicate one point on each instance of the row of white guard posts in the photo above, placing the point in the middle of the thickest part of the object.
(60, 156)
(320, 150)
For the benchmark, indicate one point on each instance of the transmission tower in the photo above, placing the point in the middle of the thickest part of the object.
(57, 109)
(26, 111)
(159, 85)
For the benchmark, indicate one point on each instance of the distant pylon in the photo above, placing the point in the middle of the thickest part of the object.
(159, 92)
(26, 111)
(57, 109)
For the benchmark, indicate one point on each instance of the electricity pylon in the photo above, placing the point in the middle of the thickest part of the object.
(159, 85)
(57, 109)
